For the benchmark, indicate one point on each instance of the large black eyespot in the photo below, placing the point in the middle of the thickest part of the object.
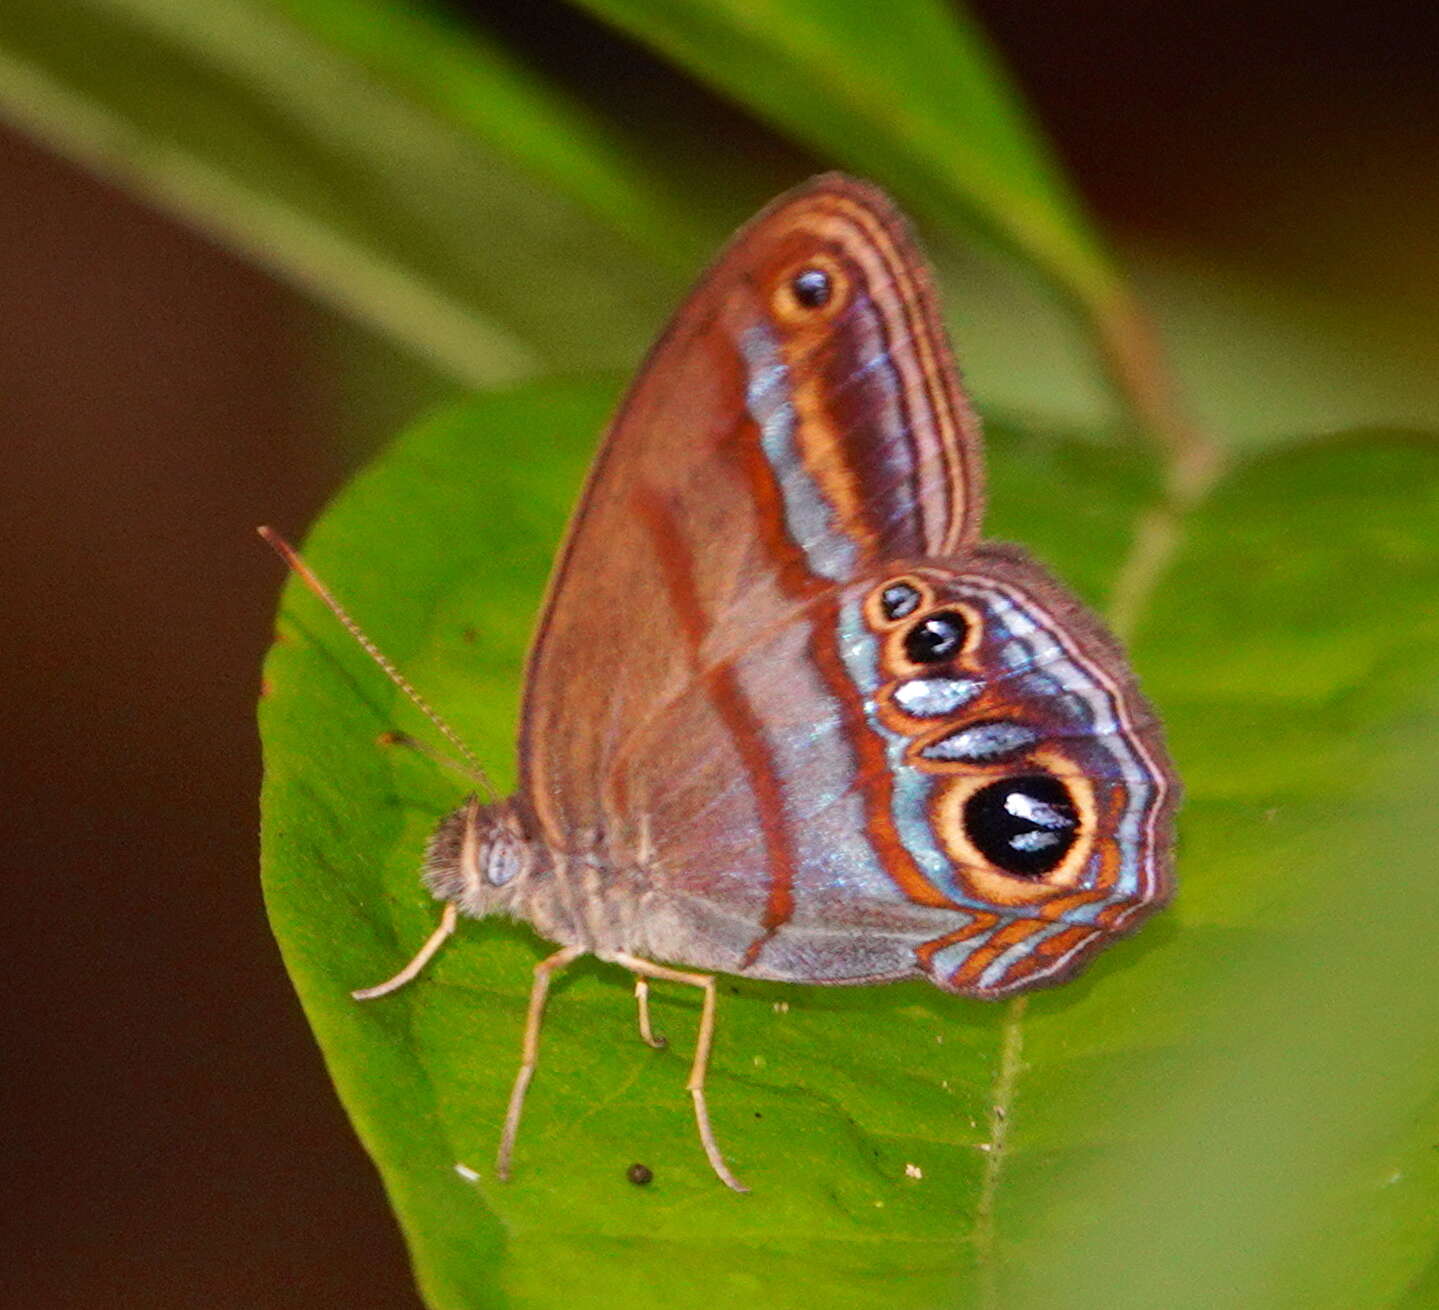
(812, 288)
(935, 638)
(898, 599)
(1025, 825)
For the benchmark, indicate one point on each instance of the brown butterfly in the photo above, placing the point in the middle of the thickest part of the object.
(787, 716)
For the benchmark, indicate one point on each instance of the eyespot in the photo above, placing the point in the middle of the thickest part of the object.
(1024, 825)
(811, 288)
(936, 637)
(808, 294)
(897, 600)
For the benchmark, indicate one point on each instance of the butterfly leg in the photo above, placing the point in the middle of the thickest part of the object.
(696, 1084)
(422, 957)
(530, 1055)
(642, 1001)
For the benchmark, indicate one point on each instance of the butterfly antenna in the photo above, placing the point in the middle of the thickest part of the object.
(306, 575)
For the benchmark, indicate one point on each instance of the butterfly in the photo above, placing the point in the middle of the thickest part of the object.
(787, 715)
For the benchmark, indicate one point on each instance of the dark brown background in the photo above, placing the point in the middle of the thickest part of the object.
(177, 1140)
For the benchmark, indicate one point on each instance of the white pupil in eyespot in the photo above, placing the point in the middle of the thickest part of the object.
(811, 288)
(1030, 810)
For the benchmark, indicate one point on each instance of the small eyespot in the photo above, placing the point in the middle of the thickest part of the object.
(935, 638)
(812, 288)
(1023, 825)
(897, 600)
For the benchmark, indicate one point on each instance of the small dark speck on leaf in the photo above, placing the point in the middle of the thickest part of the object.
(470, 635)
(639, 1174)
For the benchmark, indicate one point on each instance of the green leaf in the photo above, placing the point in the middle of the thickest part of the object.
(1305, 1102)
(1200, 1138)
(419, 177)
(1262, 363)
(1267, 363)
(1282, 686)
(406, 172)
(423, 180)
(911, 96)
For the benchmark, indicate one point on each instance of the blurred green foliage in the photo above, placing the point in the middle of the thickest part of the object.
(499, 223)
(1238, 1107)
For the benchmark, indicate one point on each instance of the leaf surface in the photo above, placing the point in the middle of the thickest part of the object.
(1277, 692)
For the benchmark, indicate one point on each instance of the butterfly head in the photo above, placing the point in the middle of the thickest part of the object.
(480, 858)
(1031, 789)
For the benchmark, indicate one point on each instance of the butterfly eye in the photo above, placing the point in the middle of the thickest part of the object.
(812, 288)
(1024, 825)
(935, 638)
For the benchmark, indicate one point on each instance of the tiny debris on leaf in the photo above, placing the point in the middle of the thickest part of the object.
(913, 1171)
(640, 1174)
(465, 1172)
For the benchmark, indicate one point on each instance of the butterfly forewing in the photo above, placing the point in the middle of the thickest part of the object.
(799, 419)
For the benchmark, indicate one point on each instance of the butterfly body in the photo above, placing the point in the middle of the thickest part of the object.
(787, 715)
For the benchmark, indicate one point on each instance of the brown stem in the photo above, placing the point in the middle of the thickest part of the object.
(1135, 359)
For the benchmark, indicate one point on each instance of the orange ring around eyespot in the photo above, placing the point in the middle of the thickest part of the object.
(899, 666)
(787, 309)
(874, 614)
(978, 874)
